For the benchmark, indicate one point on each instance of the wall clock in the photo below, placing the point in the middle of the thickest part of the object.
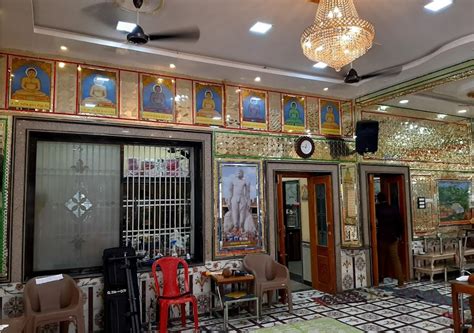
(304, 147)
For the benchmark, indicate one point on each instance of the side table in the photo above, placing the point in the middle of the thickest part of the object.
(218, 281)
(458, 287)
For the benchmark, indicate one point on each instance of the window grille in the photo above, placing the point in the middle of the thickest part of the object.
(158, 200)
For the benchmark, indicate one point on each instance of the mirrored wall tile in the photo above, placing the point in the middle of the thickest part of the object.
(312, 112)
(184, 98)
(66, 88)
(128, 95)
(232, 106)
(347, 119)
(275, 112)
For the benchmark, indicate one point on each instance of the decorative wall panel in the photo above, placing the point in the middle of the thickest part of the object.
(347, 119)
(350, 229)
(354, 269)
(278, 146)
(232, 106)
(129, 95)
(274, 111)
(184, 105)
(408, 139)
(3, 69)
(5, 156)
(312, 110)
(66, 88)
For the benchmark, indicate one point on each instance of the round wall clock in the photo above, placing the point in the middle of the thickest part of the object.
(304, 147)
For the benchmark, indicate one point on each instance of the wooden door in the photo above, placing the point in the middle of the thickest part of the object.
(321, 221)
(394, 188)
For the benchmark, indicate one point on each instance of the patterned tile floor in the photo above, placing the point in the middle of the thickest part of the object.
(379, 314)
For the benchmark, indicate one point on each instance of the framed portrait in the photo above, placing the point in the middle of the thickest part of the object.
(454, 201)
(208, 104)
(330, 117)
(291, 194)
(98, 92)
(157, 98)
(254, 109)
(31, 84)
(294, 119)
(239, 228)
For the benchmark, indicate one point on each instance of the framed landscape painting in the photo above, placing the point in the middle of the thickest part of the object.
(453, 201)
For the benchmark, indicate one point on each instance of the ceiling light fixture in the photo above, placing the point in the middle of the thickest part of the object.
(125, 26)
(383, 107)
(338, 36)
(321, 65)
(404, 101)
(462, 111)
(437, 5)
(261, 27)
(63, 48)
(61, 64)
(257, 79)
(326, 89)
(441, 116)
(173, 66)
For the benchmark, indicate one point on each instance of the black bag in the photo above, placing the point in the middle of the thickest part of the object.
(121, 295)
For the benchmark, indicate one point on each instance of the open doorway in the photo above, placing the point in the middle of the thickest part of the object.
(305, 229)
(389, 227)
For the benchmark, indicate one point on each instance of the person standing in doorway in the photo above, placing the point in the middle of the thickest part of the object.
(389, 233)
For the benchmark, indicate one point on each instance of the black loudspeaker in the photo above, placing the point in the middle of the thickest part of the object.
(367, 136)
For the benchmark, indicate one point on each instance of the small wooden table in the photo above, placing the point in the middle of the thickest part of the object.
(217, 290)
(458, 287)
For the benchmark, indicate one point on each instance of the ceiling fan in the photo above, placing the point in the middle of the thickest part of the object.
(353, 77)
(138, 35)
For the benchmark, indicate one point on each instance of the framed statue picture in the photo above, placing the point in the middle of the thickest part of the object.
(293, 113)
(208, 104)
(31, 84)
(454, 201)
(157, 98)
(254, 109)
(329, 117)
(239, 228)
(98, 92)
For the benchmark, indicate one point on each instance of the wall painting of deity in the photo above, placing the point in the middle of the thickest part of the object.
(454, 201)
(239, 228)
(293, 113)
(157, 96)
(254, 109)
(98, 92)
(31, 84)
(330, 117)
(209, 104)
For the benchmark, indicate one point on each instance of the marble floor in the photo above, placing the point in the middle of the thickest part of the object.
(381, 312)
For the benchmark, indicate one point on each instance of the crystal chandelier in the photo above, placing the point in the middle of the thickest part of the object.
(338, 36)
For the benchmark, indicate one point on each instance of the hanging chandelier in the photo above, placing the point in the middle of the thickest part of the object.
(338, 36)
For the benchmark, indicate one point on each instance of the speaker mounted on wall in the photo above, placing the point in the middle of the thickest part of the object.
(367, 136)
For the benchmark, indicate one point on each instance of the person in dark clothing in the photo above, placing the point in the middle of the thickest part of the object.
(389, 233)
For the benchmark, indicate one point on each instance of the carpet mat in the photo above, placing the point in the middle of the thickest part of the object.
(342, 298)
(323, 325)
(431, 295)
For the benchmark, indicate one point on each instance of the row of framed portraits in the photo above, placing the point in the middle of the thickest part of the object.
(32, 87)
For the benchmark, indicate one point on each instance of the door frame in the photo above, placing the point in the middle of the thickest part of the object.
(364, 171)
(274, 167)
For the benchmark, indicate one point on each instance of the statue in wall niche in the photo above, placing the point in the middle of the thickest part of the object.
(30, 86)
(97, 93)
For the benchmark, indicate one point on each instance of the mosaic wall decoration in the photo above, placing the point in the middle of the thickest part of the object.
(157, 97)
(208, 103)
(312, 107)
(418, 140)
(3, 88)
(274, 114)
(31, 84)
(184, 97)
(239, 223)
(347, 119)
(354, 269)
(66, 88)
(129, 95)
(5, 144)
(279, 147)
(232, 106)
(422, 186)
(350, 227)
(98, 92)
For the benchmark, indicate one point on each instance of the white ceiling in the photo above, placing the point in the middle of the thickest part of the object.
(406, 32)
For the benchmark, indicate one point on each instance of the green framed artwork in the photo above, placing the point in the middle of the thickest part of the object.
(453, 201)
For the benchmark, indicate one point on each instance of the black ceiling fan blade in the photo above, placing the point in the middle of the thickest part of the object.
(187, 34)
(395, 70)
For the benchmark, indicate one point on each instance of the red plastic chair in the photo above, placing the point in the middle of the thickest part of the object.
(171, 290)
